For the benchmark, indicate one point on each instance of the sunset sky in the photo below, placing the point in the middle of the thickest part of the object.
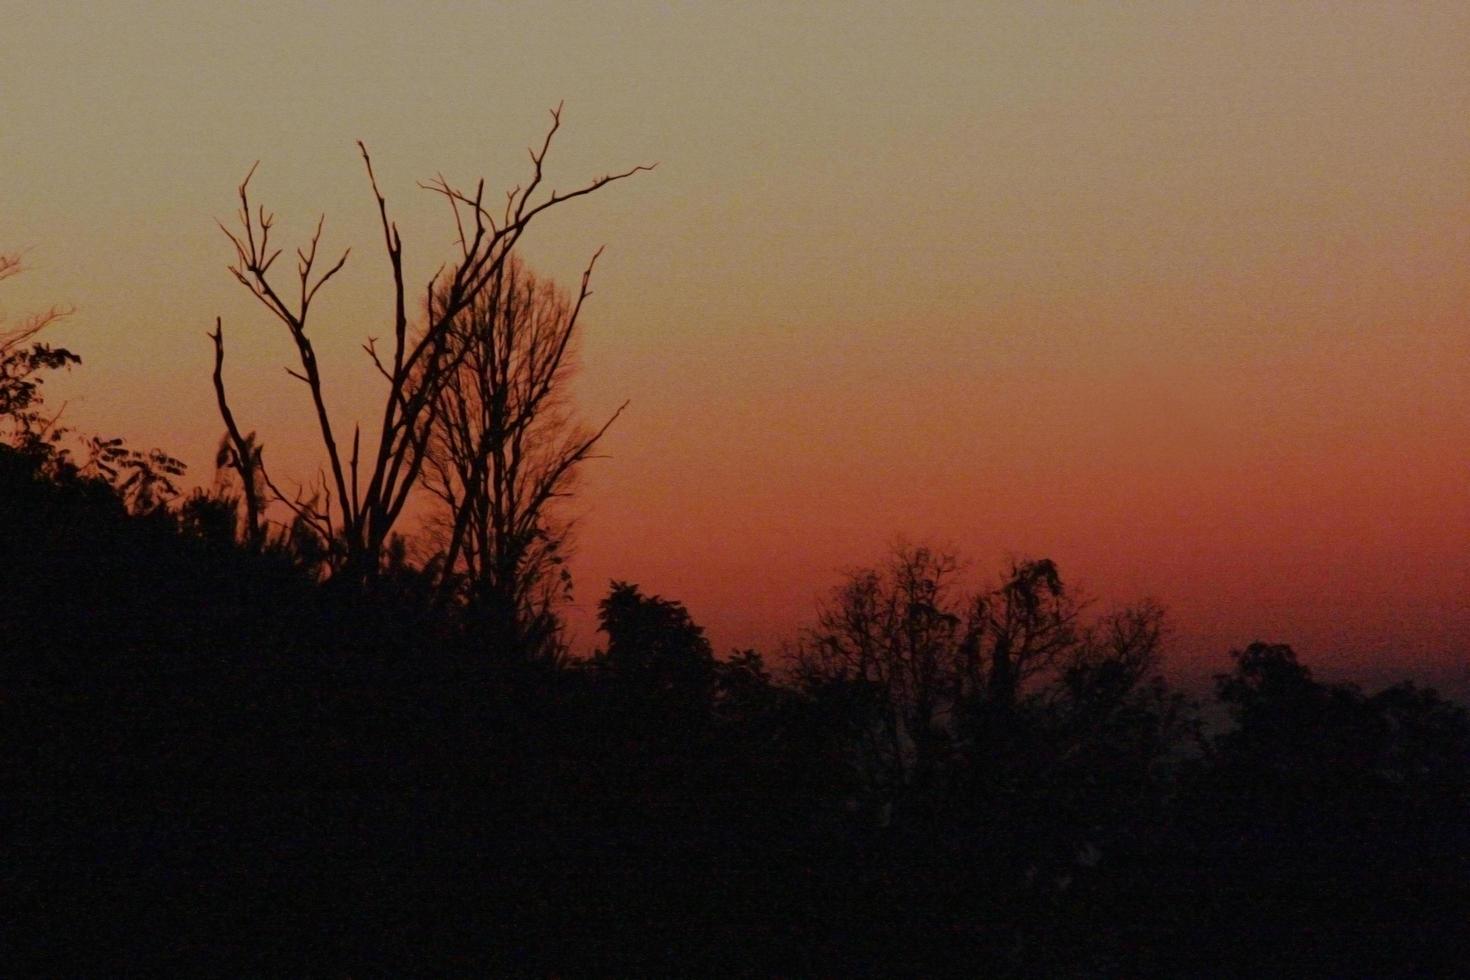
(1176, 294)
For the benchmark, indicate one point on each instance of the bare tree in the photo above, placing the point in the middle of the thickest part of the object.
(1016, 631)
(503, 448)
(892, 634)
(364, 496)
(936, 668)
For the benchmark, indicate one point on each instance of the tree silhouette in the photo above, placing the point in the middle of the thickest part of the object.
(891, 638)
(144, 481)
(950, 702)
(358, 507)
(239, 453)
(503, 449)
(1330, 824)
(988, 782)
(653, 643)
(23, 363)
(1018, 630)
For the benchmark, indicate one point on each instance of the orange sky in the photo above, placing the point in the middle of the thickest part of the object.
(1177, 294)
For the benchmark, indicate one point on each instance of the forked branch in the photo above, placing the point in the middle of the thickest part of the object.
(418, 368)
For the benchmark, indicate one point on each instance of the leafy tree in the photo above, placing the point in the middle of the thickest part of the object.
(23, 363)
(1295, 729)
(144, 480)
(654, 644)
(1331, 826)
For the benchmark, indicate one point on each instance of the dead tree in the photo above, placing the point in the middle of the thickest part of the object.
(503, 448)
(365, 494)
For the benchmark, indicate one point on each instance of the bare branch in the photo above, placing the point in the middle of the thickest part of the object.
(429, 374)
(246, 457)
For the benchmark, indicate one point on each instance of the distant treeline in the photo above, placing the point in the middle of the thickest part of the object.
(218, 760)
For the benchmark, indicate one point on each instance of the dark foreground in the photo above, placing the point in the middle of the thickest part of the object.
(212, 763)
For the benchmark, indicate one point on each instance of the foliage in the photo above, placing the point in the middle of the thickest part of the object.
(23, 364)
(144, 480)
(654, 643)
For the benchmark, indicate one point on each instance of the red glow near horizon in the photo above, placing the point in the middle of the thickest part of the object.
(1176, 296)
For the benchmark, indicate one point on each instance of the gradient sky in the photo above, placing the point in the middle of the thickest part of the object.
(1177, 294)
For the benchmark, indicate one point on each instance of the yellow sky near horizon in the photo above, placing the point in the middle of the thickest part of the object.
(1177, 294)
